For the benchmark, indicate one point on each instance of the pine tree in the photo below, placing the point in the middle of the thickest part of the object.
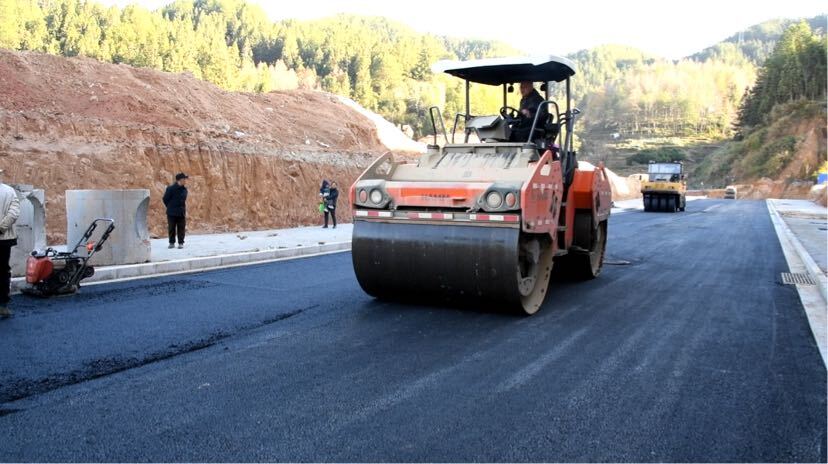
(795, 69)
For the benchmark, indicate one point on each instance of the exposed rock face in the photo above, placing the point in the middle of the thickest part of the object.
(255, 161)
(768, 188)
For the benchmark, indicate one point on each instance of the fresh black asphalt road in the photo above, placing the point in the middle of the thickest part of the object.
(686, 348)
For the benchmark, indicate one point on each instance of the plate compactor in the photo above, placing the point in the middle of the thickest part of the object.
(53, 272)
(484, 223)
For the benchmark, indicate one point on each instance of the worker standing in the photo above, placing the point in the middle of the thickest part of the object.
(324, 192)
(175, 199)
(330, 207)
(9, 212)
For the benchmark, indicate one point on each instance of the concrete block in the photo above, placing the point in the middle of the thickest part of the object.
(30, 226)
(130, 242)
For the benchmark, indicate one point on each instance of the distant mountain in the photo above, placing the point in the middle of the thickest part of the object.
(755, 43)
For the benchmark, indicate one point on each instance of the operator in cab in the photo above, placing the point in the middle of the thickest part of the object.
(529, 103)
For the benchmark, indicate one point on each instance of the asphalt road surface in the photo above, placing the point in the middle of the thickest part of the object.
(686, 348)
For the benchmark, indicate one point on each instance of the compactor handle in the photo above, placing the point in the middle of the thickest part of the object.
(84, 240)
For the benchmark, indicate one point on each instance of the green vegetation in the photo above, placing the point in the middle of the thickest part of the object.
(664, 98)
(795, 70)
(659, 155)
(787, 100)
(767, 150)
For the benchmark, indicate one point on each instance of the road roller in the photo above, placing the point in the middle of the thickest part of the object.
(483, 220)
(665, 189)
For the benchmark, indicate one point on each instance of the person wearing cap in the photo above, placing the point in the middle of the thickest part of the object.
(9, 212)
(175, 199)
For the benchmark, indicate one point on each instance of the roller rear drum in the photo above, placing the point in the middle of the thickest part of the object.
(498, 267)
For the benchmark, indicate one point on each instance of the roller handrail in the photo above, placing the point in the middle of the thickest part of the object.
(537, 113)
(434, 124)
(454, 127)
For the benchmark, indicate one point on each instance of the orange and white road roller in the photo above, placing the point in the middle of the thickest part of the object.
(484, 220)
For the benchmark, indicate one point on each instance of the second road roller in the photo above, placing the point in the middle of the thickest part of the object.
(665, 189)
(483, 220)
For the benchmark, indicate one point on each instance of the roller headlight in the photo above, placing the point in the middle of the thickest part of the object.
(363, 196)
(494, 200)
(511, 199)
(376, 197)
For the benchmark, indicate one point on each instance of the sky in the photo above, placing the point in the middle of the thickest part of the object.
(667, 28)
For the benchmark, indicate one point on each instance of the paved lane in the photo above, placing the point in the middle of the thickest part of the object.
(686, 348)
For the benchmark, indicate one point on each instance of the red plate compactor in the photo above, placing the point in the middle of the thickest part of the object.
(52, 272)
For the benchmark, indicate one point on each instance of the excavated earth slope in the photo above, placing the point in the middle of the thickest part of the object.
(255, 160)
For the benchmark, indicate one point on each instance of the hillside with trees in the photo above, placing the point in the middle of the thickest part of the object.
(781, 127)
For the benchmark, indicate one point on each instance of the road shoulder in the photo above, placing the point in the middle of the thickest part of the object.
(800, 261)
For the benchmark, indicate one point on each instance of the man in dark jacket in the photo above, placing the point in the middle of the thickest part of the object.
(529, 104)
(333, 194)
(175, 199)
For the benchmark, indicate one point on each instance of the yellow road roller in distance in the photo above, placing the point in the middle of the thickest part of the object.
(665, 189)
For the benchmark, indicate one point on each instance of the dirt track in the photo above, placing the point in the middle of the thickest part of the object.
(255, 160)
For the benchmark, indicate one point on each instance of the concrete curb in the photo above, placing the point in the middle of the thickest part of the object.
(806, 258)
(813, 300)
(206, 263)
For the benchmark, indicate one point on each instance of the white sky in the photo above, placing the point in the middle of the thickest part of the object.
(668, 28)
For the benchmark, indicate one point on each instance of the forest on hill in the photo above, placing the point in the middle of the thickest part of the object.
(386, 66)
(781, 122)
